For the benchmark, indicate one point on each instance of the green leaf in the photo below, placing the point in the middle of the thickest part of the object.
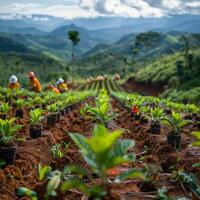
(196, 135)
(2, 163)
(196, 164)
(43, 171)
(130, 174)
(101, 141)
(123, 146)
(75, 170)
(74, 183)
(196, 144)
(22, 191)
(81, 141)
(53, 184)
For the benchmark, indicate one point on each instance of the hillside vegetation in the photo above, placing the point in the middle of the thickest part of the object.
(165, 71)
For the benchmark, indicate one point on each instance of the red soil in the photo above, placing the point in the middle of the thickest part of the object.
(160, 158)
(143, 87)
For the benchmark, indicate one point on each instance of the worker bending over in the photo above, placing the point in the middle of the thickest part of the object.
(13, 83)
(61, 85)
(52, 88)
(34, 83)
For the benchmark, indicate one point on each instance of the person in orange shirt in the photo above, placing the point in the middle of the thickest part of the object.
(34, 82)
(13, 83)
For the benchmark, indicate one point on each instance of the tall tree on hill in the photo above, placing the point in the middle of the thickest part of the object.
(74, 36)
(144, 41)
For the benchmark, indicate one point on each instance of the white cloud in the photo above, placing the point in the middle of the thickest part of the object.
(69, 12)
(171, 4)
(127, 8)
(193, 4)
(71, 9)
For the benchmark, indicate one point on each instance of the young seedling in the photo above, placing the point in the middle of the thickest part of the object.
(35, 122)
(176, 122)
(101, 112)
(52, 114)
(59, 150)
(4, 110)
(156, 115)
(20, 103)
(8, 137)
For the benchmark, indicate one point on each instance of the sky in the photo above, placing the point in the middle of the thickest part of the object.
(71, 9)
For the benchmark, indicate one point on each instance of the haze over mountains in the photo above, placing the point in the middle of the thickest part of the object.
(49, 23)
(48, 34)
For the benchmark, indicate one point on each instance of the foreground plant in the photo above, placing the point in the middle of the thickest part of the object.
(8, 137)
(104, 151)
(176, 122)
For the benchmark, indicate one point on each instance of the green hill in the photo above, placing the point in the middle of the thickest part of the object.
(164, 71)
(17, 58)
(114, 58)
(56, 42)
(7, 45)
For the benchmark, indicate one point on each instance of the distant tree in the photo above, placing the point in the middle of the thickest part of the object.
(74, 36)
(145, 41)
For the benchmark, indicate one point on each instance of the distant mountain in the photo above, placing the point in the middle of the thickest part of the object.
(44, 22)
(108, 29)
(9, 45)
(168, 43)
(56, 42)
(23, 31)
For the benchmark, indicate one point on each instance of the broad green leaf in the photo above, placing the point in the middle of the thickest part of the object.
(101, 144)
(81, 141)
(75, 170)
(122, 146)
(53, 184)
(196, 164)
(196, 144)
(2, 162)
(22, 191)
(130, 174)
(74, 183)
(196, 135)
(43, 171)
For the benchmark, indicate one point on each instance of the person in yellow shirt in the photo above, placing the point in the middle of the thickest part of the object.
(13, 83)
(34, 83)
(61, 85)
